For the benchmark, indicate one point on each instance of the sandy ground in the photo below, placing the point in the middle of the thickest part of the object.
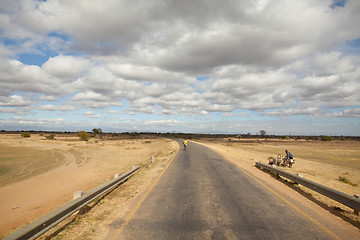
(84, 165)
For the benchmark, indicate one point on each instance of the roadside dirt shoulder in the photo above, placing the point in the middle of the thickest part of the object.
(86, 166)
(102, 217)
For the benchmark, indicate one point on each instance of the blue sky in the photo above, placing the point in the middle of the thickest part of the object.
(286, 67)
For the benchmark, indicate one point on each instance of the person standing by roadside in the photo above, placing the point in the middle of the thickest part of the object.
(289, 157)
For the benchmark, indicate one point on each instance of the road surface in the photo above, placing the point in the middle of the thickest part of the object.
(203, 196)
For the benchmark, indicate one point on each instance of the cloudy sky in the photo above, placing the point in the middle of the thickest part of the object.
(206, 66)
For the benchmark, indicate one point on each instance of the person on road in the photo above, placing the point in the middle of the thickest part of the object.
(289, 157)
(185, 144)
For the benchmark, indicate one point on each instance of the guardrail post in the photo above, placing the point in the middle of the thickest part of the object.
(356, 211)
(77, 194)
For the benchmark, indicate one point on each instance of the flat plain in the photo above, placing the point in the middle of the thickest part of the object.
(39, 175)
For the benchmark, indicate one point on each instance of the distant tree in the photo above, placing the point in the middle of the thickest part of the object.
(262, 132)
(97, 132)
(84, 136)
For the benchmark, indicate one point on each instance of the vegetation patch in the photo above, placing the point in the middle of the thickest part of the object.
(50, 137)
(347, 181)
(84, 136)
(25, 135)
(4, 170)
(326, 138)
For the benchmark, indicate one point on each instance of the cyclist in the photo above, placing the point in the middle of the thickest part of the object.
(185, 144)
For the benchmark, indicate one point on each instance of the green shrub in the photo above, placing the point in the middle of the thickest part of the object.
(326, 138)
(347, 181)
(25, 135)
(84, 136)
(50, 137)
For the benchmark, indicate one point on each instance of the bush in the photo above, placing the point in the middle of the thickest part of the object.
(347, 181)
(326, 138)
(84, 136)
(25, 135)
(50, 137)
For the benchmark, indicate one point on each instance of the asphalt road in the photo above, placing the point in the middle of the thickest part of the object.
(203, 196)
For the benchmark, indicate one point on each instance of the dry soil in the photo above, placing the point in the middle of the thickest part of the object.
(37, 175)
(319, 161)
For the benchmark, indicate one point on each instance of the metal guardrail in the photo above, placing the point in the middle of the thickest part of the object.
(338, 196)
(47, 222)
